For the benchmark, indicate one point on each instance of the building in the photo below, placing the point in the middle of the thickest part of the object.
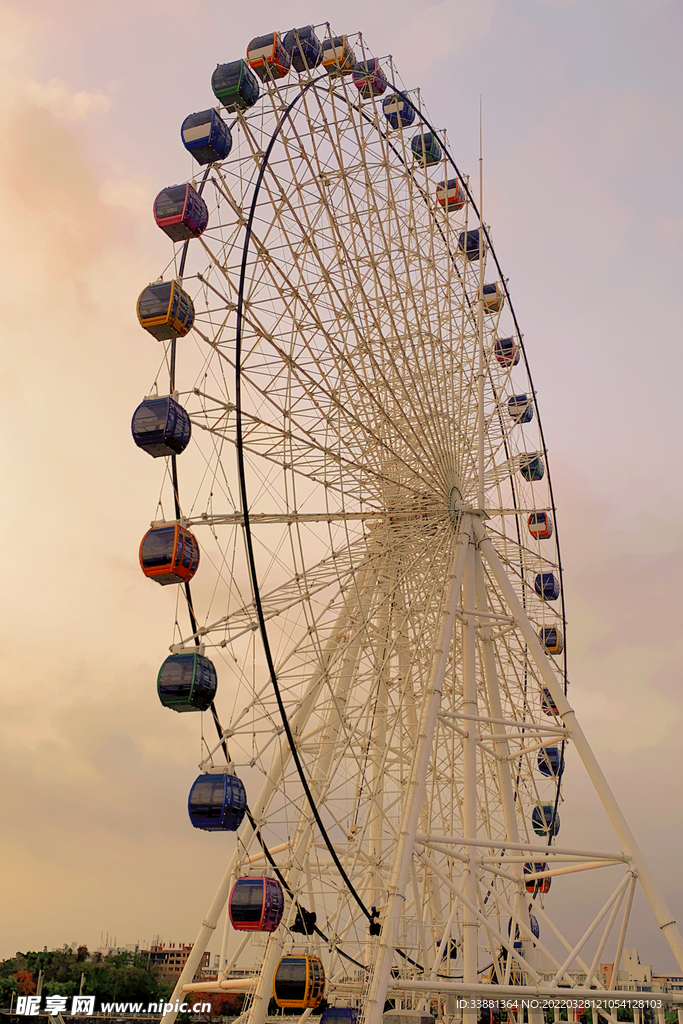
(172, 958)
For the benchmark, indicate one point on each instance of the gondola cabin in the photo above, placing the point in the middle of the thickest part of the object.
(338, 56)
(180, 212)
(217, 802)
(451, 194)
(520, 409)
(531, 466)
(543, 821)
(536, 884)
(187, 681)
(533, 925)
(548, 705)
(540, 525)
(165, 310)
(468, 245)
(169, 554)
(256, 904)
(506, 351)
(161, 427)
(299, 982)
(206, 136)
(340, 1015)
(493, 297)
(235, 85)
(547, 586)
(268, 57)
(304, 48)
(551, 639)
(550, 762)
(426, 148)
(398, 112)
(451, 950)
(369, 78)
(517, 941)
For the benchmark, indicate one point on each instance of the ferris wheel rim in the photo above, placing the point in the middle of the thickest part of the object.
(251, 559)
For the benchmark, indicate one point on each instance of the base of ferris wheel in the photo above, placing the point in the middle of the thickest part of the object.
(526, 981)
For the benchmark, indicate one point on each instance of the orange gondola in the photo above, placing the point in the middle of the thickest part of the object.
(169, 554)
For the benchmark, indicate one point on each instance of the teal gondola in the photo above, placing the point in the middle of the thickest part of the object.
(235, 85)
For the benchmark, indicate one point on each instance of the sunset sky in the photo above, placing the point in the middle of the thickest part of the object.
(582, 112)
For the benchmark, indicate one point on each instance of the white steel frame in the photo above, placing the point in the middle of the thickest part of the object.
(389, 574)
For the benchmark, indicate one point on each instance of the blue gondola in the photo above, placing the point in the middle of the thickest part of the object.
(369, 78)
(540, 525)
(550, 762)
(426, 149)
(551, 638)
(506, 351)
(548, 705)
(206, 136)
(531, 466)
(543, 822)
(340, 1015)
(180, 212)
(187, 682)
(165, 310)
(299, 982)
(547, 586)
(533, 928)
(468, 244)
(217, 802)
(520, 409)
(235, 85)
(493, 297)
(398, 112)
(304, 48)
(160, 426)
(256, 904)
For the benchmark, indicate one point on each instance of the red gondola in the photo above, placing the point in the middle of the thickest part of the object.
(256, 904)
(536, 884)
(181, 212)
(548, 705)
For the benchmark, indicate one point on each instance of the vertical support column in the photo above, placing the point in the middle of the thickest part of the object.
(379, 982)
(318, 784)
(470, 924)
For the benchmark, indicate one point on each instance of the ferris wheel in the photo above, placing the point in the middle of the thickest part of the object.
(357, 511)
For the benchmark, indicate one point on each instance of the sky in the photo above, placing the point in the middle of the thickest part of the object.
(582, 161)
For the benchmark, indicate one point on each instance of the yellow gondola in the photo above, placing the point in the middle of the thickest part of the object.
(165, 310)
(299, 982)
